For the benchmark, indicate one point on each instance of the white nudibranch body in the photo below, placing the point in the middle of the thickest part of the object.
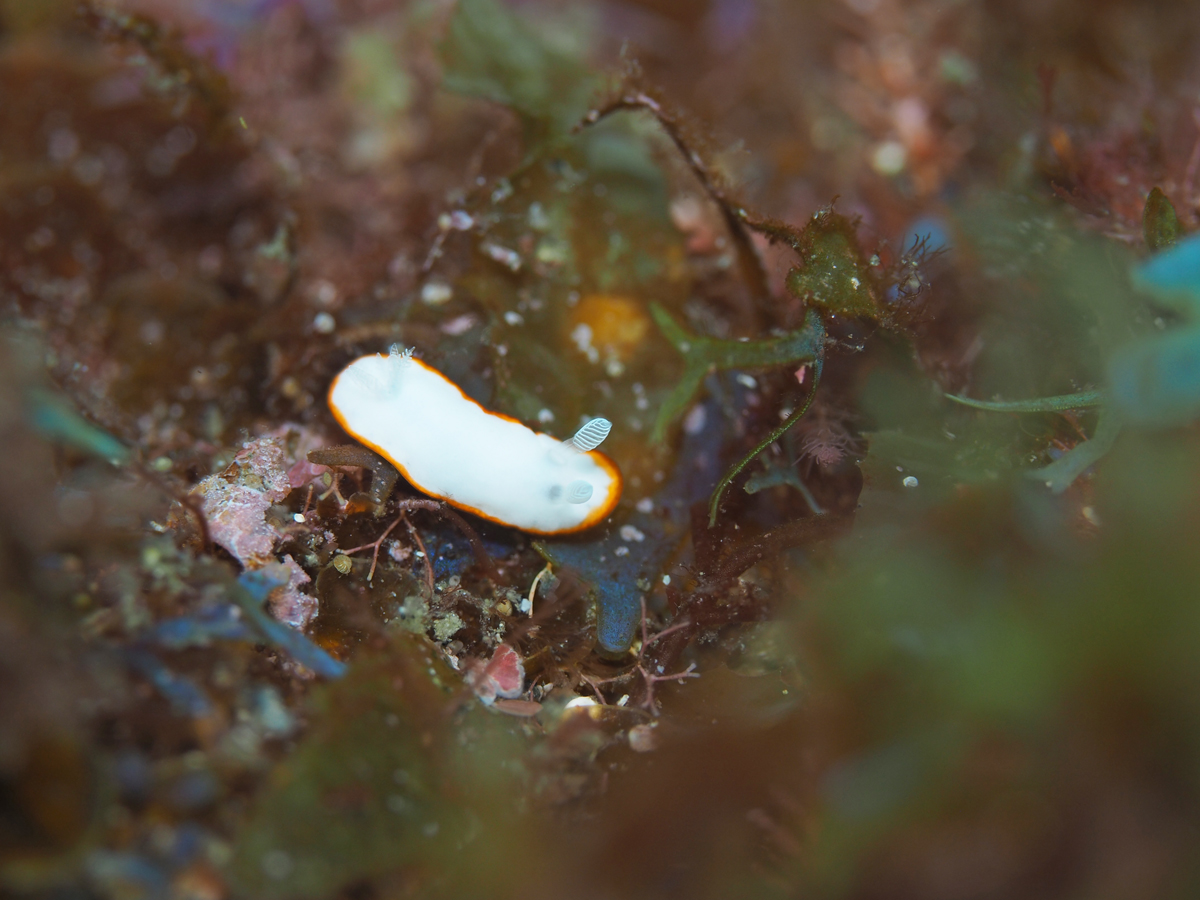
(449, 446)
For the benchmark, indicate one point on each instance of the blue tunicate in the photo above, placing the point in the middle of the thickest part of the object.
(185, 697)
(55, 418)
(614, 565)
(200, 630)
(126, 875)
(251, 594)
(134, 777)
(1173, 276)
(194, 791)
(1156, 382)
(932, 230)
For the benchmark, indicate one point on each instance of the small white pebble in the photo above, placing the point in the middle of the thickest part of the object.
(325, 292)
(545, 416)
(624, 699)
(889, 158)
(526, 607)
(642, 738)
(578, 702)
(666, 579)
(324, 323)
(910, 482)
(514, 318)
(645, 506)
(298, 518)
(435, 293)
(629, 533)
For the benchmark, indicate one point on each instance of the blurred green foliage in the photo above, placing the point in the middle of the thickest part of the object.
(379, 785)
(491, 53)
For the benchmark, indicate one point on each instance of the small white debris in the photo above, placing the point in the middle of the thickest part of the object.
(645, 506)
(501, 192)
(642, 738)
(324, 323)
(581, 336)
(621, 551)
(526, 606)
(693, 422)
(514, 318)
(298, 518)
(629, 533)
(747, 381)
(889, 158)
(545, 416)
(666, 579)
(538, 220)
(580, 702)
(435, 293)
(510, 259)
(910, 482)
(624, 699)
(324, 292)
(458, 325)
(459, 220)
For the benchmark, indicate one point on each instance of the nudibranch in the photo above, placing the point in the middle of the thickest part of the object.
(450, 447)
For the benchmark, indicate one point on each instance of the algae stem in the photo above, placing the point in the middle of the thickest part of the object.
(1060, 403)
(775, 435)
